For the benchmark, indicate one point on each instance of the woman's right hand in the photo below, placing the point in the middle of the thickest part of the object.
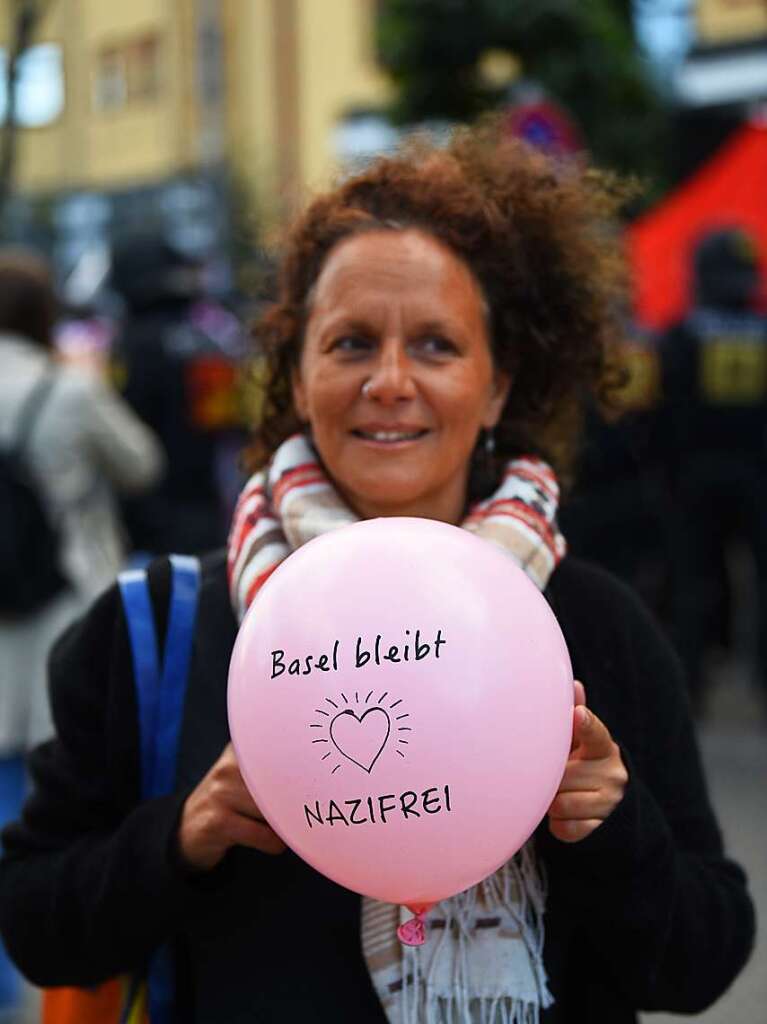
(221, 813)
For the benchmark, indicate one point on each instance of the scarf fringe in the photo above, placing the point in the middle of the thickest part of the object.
(519, 890)
(447, 1010)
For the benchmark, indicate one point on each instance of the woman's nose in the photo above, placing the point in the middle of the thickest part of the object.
(392, 378)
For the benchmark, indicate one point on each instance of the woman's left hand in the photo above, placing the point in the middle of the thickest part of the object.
(594, 780)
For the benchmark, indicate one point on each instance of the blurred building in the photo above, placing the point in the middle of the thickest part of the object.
(721, 21)
(174, 111)
(723, 80)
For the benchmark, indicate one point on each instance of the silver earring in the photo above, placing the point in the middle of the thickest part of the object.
(490, 441)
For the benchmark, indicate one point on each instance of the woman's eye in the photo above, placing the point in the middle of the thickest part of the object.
(352, 343)
(435, 345)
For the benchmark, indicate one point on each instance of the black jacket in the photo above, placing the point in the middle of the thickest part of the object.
(646, 913)
(714, 382)
(182, 382)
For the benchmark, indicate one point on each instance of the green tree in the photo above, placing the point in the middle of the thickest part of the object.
(582, 52)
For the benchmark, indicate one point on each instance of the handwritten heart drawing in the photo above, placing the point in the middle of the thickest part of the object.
(361, 738)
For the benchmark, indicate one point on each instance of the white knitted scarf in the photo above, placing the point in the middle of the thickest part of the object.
(482, 962)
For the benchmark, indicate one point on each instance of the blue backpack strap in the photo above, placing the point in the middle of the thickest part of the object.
(146, 664)
(175, 670)
(160, 696)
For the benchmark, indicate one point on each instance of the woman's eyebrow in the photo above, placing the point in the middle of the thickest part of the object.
(453, 329)
(340, 322)
(437, 326)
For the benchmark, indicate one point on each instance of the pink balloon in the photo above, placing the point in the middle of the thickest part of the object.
(401, 702)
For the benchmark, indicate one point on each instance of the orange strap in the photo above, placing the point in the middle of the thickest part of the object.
(100, 1005)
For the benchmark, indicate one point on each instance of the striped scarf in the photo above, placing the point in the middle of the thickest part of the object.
(482, 962)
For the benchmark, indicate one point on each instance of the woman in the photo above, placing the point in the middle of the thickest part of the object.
(441, 317)
(81, 446)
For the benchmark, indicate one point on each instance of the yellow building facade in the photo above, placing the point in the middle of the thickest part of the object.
(730, 21)
(294, 68)
(159, 88)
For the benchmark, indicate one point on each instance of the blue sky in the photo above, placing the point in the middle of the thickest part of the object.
(664, 29)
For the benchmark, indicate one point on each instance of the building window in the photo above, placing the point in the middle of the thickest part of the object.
(110, 86)
(143, 69)
(127, 73)
(39, 85)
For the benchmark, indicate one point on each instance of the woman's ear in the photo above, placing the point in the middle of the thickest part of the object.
(500, 392)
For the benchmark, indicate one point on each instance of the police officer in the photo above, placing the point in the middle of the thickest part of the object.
(613, 515)
(177, 361)
(714, 371)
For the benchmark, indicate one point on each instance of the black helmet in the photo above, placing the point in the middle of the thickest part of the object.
(146, 270)
(726, 265)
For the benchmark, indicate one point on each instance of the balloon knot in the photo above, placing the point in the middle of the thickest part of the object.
(413, 932)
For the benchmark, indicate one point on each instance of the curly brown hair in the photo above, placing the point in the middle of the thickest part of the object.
(539, 238)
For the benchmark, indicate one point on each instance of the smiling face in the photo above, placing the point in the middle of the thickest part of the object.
(396, 377)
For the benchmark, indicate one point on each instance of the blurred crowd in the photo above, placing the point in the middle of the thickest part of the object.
(120, 427)
(670, 496)
(127, 418)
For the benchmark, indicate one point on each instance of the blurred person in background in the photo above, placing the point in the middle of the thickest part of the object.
(440, 319)
(82, 445)
(714, 427)
(614, 514)
(177, 362)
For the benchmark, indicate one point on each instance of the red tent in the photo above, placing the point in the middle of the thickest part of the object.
(730, 190)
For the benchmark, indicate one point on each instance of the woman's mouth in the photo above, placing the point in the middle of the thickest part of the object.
(390, 436)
